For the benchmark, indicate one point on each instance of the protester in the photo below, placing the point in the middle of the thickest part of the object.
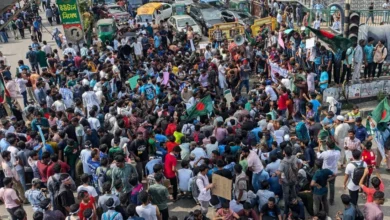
(129, 123)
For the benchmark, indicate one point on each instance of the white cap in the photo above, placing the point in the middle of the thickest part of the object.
(340, 117)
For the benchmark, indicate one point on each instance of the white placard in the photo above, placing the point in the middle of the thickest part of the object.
(202, 46)
(310, 43)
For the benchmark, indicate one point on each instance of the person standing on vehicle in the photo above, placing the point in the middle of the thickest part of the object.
(358, 60)
(380, 54)
(217, 36)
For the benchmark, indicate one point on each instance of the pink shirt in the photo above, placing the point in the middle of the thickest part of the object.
(227, 216)
(254, 162)
(220, 134)
(9, 196)
(372, 211)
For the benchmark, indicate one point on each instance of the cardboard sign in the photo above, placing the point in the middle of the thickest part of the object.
(222, 187)
(133, 81)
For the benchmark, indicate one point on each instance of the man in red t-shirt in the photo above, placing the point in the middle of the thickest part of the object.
(376, 182)
(171, 144)
(282, 101)
(368, 156)
(170, 170)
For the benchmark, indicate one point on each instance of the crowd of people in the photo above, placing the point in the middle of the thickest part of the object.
(128, 150)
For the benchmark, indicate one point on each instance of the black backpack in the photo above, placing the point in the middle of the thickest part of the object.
(358, 214)
(358, 172)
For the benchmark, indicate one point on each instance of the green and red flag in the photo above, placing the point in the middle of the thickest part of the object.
(2, 91)
(381, 114)
(334, 42)
(204, 107)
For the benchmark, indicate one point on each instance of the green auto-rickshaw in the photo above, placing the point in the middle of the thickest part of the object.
(239, 5)
(179, 9)
(106, 29)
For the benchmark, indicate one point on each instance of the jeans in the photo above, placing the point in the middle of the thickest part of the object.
(204, 207)
(354, 196)
(346, 75)
(256, 181)
(58, 80)
(370, 15)
(24, 94)
(140, 166)
(12, 211)
(331, 190)
(244, 82)
(35, 67)
(21, 32)
(336, 73)
(4, 37)
(289, 192)
(369, 71)
(164, 214)
(320, 200)
(173, 182)
(379, 66)
(22, 178)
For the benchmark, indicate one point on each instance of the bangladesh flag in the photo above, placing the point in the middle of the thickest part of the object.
(203, 107)
(2, 90)
(381, 114)
(334, 42)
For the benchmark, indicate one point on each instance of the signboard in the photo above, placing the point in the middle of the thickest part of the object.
(222, 187)
(70, 16)
(357, 91)
(73, 32)
(229, 30)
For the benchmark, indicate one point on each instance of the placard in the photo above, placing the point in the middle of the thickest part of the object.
(222, 187)
(133, 81)
(310, 43)
(202, 46)
(165, 78)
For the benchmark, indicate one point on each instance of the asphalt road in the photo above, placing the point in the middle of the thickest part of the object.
(16, 50)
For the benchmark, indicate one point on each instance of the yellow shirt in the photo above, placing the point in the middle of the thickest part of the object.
(175, 69)
(178, 136)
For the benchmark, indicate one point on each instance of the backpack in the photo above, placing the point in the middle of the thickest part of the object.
(194, 187)
(292, 172)
(301, 131)
(57, 185)
(13, 25)
(102, 177)
(104, 216)
(358, 172)
(383, 50)
(358, 215)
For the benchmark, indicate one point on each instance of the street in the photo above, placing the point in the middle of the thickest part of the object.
(16, 50)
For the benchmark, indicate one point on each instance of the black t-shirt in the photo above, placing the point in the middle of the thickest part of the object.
(225, 173)
(106, 139)
(70, 130)
(140, 149)
(267, 211)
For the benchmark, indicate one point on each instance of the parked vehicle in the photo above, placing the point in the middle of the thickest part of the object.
(206, 16)
(186, 2)
(214, 3)
(242, 17)
(106, 29)
(241, 5)
(153, 11)
(179, 23)
(116, 12)
(179, 9)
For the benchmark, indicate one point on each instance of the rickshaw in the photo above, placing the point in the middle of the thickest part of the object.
(239, 5)
(179, 9)
(106, 29)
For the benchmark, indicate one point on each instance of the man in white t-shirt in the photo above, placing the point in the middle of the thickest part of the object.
(270, 91)
(184, 176)
(353, 186)
(85, 154)
(386, 7)
(330, 157)
(85, 179)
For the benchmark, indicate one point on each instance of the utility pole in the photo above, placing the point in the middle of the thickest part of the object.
(346, 17)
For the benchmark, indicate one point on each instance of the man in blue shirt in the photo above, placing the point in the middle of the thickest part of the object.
(368, 50)
(149, 166)
(324, 77)
(43, 148)
(320, 189)
(349, 209)
(361, 131)
(3, 142)
(157, 40)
